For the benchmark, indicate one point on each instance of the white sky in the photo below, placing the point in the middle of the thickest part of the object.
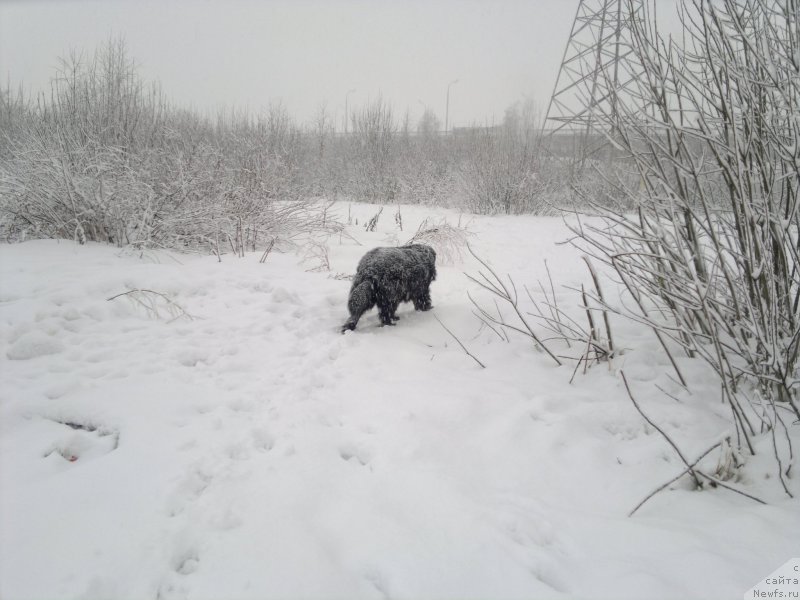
(304, 53)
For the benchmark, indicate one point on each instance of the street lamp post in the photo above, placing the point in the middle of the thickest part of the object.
(447, 107)
(346, 114)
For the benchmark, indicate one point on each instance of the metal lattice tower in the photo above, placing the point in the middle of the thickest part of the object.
(594, 72)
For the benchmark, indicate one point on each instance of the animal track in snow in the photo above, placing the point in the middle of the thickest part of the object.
(263, 441)
(350, 452)
(239, 405)
(225, 520)
(190, 489)
(237, 451)
(171, 591)
(186, 563)
(191, 357)
(378, 581)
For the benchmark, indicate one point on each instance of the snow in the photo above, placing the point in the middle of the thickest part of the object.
(34, 344)
(244, 448)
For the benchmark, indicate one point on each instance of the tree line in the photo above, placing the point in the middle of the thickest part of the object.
(103, 155)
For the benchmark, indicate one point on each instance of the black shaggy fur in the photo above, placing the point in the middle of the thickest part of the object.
(388, 276)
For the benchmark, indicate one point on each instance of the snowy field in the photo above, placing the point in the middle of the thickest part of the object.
(244, 448)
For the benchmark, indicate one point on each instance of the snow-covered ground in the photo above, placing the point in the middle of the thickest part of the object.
(253, 451)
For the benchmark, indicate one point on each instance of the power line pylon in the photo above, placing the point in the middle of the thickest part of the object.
(595, 71)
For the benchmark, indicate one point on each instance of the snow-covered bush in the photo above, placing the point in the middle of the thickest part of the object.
(372, 148)
(105, 158)
(450, 241)
(501, 167)
(710, 257)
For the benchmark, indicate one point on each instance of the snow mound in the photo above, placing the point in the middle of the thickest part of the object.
(33, 345)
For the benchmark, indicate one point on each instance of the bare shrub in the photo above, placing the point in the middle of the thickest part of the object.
(374, 131)
(565, 339)
(317, 254)
(105, 158)
(448, 240)
(156, 305)
(373, 221)
(500, 171)
(489, 281)
(710, 257)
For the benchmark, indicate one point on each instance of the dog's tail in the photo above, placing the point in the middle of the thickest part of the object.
(362, 298)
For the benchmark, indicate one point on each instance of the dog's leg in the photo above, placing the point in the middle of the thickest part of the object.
(394, 311)
(423, 301)
(385, 309)
(385, 315)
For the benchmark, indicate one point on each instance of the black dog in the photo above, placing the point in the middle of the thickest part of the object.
(389, 276)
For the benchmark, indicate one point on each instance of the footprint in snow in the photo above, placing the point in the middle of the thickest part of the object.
(354, 453)
(284, 296)
(186, 563)
(263, 441)
(189, 489)
(239, 405)
(225, 520)
(237, 451)
(166, 591)
(191, 357)
(378, 581)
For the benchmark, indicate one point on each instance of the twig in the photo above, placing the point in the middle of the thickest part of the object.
(578, 364)
(661, 431)
(485, 322)
(596, 281)
(592, 327)
(689, 467)
(267, 251)
(503, 292)
(674, 479)
(173, 307)
(655, 329)
(373, 222)
(727, 486)
(463, 347)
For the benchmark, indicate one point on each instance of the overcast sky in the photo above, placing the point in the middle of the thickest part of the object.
(305, 53)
